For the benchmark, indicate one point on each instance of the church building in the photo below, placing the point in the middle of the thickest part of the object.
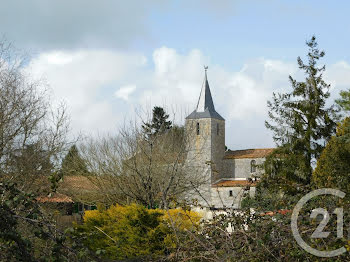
(227, 176)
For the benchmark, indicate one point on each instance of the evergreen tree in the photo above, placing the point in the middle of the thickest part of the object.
(344, 101)
(301, 121)
(159, 122)
(73, 164)
(333, 167)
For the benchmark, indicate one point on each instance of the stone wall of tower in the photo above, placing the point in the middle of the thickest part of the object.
(205, 152)
(217, 147)
(198, 155)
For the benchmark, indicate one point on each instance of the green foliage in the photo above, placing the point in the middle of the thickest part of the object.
(125, 232)
(268, 199)
(26, 234)
(301, 121)
(73, 164)
(333, 167)
(159, 122)
(344, 101)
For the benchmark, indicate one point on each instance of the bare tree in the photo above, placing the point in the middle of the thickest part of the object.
(150, 170)
(33, 137)
(32, 134)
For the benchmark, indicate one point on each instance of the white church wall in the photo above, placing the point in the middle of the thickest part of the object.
(222, 198)
(243, 167)
(230, 197)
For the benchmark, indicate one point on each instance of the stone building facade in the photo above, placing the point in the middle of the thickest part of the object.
(224, 176)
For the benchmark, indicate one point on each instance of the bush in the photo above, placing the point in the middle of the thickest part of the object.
(124, 232)
(333, 167)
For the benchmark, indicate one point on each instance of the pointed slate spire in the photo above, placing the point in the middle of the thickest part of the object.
(205, 106)
(205, 99)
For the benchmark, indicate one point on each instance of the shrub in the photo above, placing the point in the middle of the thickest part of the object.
(333, 167)
(124, 232)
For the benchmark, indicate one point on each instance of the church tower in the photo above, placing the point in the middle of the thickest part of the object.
(205, 133)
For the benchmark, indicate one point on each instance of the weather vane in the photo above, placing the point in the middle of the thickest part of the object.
(205, 68)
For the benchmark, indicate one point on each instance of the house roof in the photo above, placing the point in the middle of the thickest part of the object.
(205, 106)
(55, 198)
(81, 183)
(248, 153)
(233, 183)
(83, 189)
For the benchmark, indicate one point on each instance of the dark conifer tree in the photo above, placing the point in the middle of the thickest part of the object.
(301, 121)
(73, 164)
(159, 123)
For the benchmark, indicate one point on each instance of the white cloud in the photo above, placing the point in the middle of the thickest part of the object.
(58, 58)
(338, 75)
(125, 91)
(90, 80)
(86, 80)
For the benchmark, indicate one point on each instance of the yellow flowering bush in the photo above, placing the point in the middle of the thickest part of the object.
(181, 219)
(133, 231)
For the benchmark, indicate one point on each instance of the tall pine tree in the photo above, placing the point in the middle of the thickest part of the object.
(159, 122)
(301, 121)
(73, 164)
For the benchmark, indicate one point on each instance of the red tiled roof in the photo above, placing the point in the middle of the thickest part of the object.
(248, 153)
(55, 198)
(233, 183)
(272, 213)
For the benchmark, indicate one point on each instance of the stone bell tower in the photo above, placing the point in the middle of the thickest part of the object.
(205, 134)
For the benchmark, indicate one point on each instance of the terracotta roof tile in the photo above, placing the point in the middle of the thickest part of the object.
(55, 198)
(85, 189)
(272, 213)
(78, 183)
(248, 153)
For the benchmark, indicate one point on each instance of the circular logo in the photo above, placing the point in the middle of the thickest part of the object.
(318, 232)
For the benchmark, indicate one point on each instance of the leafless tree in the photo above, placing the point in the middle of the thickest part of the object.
(130, 167)
(32, 134)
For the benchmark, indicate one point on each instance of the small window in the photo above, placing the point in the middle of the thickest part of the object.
(217, 128)
(252, 166)
(80, 207)
(197, 129)
(230, 193)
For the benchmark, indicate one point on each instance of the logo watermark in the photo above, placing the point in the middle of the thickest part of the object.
(319, 233)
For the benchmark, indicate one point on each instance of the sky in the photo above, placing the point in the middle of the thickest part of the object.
(109, 60)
